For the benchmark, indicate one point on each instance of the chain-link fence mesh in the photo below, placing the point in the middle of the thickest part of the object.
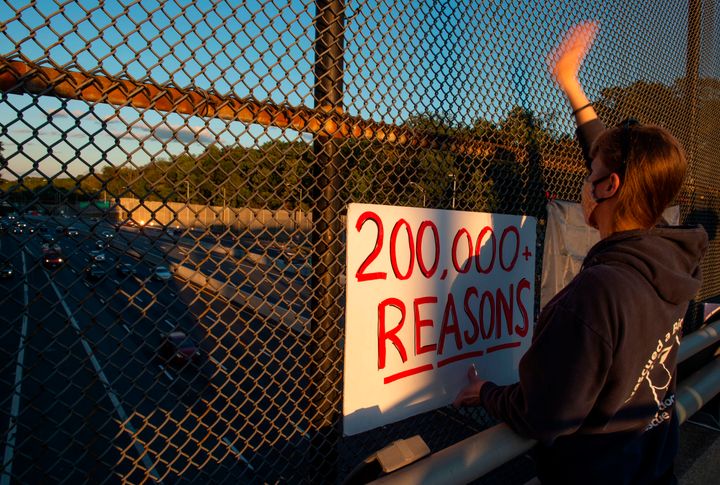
(174, 181)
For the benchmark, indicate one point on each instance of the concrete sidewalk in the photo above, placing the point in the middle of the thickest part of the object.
(698, 459)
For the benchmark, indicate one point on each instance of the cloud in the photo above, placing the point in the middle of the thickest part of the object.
(161, 131)
(46, 131)
(116, 127)
(75, 114)
(185, 134)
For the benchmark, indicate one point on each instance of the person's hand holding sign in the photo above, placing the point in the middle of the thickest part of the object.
(470, 394)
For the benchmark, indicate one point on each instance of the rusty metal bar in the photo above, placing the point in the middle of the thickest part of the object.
(328, 120)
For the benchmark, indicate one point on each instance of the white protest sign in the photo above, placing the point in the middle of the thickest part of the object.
(430, 292)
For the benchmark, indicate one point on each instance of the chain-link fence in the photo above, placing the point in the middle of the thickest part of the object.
(174, 181)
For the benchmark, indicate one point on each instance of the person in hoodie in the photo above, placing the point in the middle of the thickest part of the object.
(597, 385)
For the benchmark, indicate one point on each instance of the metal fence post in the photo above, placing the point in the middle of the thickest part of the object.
(694, 314)
(325, 305)
(692, 71)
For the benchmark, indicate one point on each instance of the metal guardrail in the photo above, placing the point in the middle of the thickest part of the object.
(478, 455)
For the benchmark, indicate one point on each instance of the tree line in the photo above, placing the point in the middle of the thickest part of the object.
(284, 174)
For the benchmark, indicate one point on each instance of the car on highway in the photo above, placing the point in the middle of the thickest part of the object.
(161, 273)
(100, 244)
(97, 256)
(125, 269)
(107, 235)
(59, 229)
(16, 230)
(48, 239)
(94, 272)
(51, 247)
(6, 269)
(72, 231)
(52, 256)
(177, 347)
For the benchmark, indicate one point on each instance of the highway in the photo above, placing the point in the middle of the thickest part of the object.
(87, 397)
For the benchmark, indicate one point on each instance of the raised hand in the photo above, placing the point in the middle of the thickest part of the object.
(566, 59)
(565, 62)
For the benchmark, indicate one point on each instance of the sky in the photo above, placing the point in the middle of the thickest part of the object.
(464, 59)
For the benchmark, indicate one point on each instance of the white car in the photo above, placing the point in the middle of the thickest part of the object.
(161, 273)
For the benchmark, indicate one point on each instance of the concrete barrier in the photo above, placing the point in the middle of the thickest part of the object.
(277, 312)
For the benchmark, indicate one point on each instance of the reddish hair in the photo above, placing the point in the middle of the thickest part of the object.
(651, 164)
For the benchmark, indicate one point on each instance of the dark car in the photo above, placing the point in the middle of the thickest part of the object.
(161, 273)
(52, 258)
(178, 347)
(125, 269)
(48, 239)
(107, 235)
(6, 269)
(72, 231)
(95, 272)
(59, 229)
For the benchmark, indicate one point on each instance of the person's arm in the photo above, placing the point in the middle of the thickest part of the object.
(561, 376)
(565, 64)
(563, 371)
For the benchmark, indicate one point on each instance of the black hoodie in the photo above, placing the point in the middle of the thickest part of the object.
(597, 385)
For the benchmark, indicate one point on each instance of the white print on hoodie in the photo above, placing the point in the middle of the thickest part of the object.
(657, 375)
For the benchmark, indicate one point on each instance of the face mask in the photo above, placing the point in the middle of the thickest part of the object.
(588, 203)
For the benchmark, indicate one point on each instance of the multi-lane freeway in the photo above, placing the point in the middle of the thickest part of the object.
(87, 397)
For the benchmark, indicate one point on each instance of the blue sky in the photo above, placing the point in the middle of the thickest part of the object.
(465, 59)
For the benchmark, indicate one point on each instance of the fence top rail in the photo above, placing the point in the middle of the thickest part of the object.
(25, 77)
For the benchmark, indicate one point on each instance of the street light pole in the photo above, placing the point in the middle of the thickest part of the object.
(300, 214)
(452, 176)
(291, 212)
(187, 204)
(422, 189)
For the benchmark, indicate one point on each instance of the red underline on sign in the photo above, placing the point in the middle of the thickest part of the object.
(510, 345)
(455, 358)
(407, 373)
